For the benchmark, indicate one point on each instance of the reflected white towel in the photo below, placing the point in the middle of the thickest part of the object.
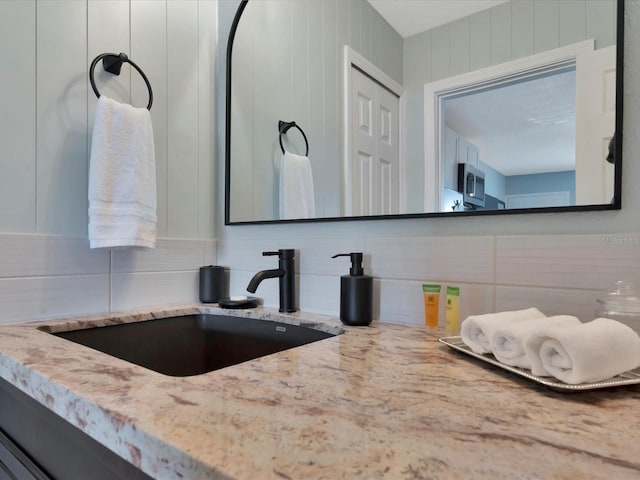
(590, 352)
(122, 177)
(508, 341)
(478, 330)
(297, 199)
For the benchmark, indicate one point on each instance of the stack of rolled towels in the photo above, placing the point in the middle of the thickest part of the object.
(559, 346)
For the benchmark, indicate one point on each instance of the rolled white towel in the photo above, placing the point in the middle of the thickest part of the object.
(477, 330)
(590, 352)
(508, 341)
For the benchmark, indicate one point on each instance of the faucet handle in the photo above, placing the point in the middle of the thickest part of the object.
(286, 254)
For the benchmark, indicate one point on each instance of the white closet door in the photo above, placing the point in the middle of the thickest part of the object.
(595, 125)
(375, 171)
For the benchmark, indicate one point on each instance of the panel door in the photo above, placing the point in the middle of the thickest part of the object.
(595, 125)
(375, 171)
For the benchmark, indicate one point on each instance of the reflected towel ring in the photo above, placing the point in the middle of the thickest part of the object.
(112, 63)
(283, 127)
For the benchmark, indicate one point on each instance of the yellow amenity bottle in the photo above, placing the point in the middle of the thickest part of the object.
(452, 312)
(431, 295)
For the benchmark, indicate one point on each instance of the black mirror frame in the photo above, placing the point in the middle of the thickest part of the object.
(616, 203)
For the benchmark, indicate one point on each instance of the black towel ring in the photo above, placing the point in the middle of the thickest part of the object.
(283, 127)
(112, 63)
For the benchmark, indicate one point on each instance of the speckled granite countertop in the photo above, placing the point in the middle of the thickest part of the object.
(385, 401)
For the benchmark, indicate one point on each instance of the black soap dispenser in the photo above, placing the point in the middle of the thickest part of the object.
(356, 293)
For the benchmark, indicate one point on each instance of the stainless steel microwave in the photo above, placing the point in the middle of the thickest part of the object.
(471, 185)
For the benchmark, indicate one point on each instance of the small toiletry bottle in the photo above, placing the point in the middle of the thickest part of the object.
(431, 294)
(356, 293)
(452, 312)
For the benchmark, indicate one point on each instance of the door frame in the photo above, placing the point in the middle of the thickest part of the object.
(351, 59)
(436, 92)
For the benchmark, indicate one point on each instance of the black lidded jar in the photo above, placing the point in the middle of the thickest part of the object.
(213, 283)
(356, 293)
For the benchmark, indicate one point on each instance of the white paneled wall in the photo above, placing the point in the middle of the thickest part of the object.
(304, 84)
(47, 104)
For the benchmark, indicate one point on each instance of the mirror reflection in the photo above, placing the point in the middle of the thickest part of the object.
(416, 107)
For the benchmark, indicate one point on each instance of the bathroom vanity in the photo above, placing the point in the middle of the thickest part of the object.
(384, 401)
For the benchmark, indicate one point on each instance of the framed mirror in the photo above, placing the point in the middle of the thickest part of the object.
(364, 109)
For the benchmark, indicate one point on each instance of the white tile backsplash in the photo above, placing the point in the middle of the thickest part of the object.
(550, 301)
(461, 259)
(50, 275)
(42, 297)
(135, 290)
(567, 261)
(23, 255)
(560, 274)
(169, 254)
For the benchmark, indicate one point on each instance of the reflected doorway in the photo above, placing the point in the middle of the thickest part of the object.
(518, 124)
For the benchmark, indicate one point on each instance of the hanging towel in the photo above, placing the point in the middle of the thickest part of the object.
(478, 330)
(297, 199)
(589, 352)
(122, 177)
(508, 341)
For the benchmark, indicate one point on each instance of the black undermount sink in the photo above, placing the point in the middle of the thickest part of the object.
(193, 344)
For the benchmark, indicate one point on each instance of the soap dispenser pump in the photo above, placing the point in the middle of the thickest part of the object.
(356, 293)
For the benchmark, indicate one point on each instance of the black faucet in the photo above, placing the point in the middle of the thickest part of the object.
(286, 272)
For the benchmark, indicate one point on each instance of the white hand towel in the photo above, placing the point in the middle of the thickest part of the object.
(508, 341)
(297, 199)
(477, 330)
(590, 352)
(122, 177)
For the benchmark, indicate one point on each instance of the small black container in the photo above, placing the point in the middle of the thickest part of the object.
(213, 283)
(356, 293)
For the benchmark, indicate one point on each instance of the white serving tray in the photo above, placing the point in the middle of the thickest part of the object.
(632, 377)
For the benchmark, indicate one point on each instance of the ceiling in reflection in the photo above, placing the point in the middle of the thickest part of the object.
(409, 17)
(522, 128)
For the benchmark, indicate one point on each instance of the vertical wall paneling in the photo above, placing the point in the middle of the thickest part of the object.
(479, 40)
(546, 28)
(330, 161)
(302, 82)
(601, 22)
(108, 32)
(243, 71)
(272, 102)
(149, 51)
(62, 156)
(440, 56)
(366, 34)
(417, 72)
(522, 33)
(207, 22)
(17, 131)
(47, 268)
(316, 126)
(572, 18)
(355, 25)
(300, 78)
(459, 46)
(182, 109)
(501, 33)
